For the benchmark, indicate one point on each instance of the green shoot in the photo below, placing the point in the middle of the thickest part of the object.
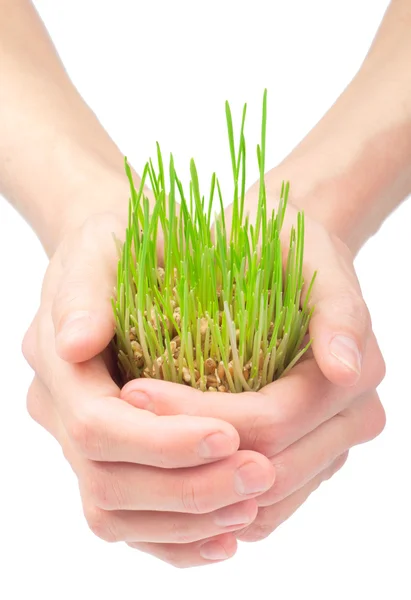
(221, 313)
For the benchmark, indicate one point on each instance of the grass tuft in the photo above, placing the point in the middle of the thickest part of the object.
(221, 313)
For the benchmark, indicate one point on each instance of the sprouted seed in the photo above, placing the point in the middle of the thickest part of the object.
(219, 312)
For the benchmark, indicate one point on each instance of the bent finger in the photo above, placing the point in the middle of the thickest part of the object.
(103, 427)
(267, 421)
(303, 460)
(271, 517)
(199, 490)
(196, 554)
(169, 528)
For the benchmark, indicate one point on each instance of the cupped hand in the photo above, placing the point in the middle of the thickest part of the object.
(307, 421)
(175, 486)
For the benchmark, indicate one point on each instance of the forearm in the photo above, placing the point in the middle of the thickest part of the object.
(57, 163)
(354, 167)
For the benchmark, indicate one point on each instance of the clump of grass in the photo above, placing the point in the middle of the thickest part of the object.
(220, 313)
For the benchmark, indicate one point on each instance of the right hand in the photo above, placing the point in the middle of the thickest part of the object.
(174, 486)
(307, 421)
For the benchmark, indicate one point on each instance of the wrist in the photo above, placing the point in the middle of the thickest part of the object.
(352, 169)
(83, 183)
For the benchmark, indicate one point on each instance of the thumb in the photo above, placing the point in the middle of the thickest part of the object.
(82, 313)
(340, 326)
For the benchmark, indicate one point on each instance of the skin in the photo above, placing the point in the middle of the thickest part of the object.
(154, 437)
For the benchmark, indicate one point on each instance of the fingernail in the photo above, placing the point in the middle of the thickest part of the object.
(344, 349)
(216, 445)
(140, 400)
(74, 321)
(238, 514)
(251, 478)
(213, 551)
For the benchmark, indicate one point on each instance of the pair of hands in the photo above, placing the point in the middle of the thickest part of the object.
(168, 470)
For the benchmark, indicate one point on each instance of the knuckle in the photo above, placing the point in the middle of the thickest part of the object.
(182, 533)
(373, 419)
(86, 433)
(261, 436)
(100, 523)
(27, 347)
(33, 404)
(257, 532)
(353, 305)
(192, 499)
(284, 482)
(103, 488)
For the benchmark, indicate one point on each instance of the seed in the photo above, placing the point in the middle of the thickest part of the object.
(177, 315)
(177, 341)
(135, 346)
(246, 373)
(203, 326)
(222, 388)
(231, 368)
(221, 370)
(202, 384)
(211, 380)
(139, 360)
(212, 389)
(186, 375)
(210, 366)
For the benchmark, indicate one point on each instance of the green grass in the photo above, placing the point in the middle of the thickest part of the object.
(220, 313)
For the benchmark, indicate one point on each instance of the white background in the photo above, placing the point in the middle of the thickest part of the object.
(162, 70)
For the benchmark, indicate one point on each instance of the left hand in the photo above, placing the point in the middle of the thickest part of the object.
(306, 422)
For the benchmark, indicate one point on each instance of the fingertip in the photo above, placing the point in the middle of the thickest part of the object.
(219, 548)
(340, 376)
(137, 398)
(336, 366)
(163, 398)
(218, 445)
(82, 336)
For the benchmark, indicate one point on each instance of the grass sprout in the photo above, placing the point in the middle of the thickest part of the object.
(220, 312)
